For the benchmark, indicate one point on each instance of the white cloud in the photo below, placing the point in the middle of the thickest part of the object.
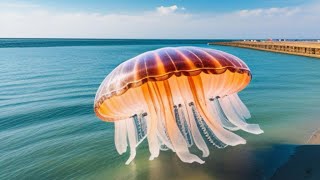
(270, 12)
(164, 22)
(15, 5)
(167, 10)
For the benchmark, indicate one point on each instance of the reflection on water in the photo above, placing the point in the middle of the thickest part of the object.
(303, 164)
(241, 162)
(48, 128)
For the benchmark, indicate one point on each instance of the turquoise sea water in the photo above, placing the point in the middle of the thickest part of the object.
(48, 129)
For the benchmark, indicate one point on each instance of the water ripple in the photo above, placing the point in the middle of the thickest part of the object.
(48, 129)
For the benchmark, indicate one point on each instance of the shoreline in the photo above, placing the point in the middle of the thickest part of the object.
(303, 48)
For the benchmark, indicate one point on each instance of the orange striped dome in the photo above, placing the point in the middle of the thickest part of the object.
(162, 63)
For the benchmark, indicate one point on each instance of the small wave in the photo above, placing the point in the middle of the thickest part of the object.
(44, 115)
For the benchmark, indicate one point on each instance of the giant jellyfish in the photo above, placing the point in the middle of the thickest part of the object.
(176, 98)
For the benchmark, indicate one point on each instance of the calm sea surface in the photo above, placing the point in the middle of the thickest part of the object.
(48, 129)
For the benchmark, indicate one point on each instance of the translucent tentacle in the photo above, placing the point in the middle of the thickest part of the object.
(207, 132)
(161, 127)
(183, 126)
(237, 120)
(132, 139)
(198, 140)
(163, 147)
(178, 142)
(120, 136)
(236, 102)
(141, 127)
(218, 114)
(197, 137)
(153, 142)
(224, 135)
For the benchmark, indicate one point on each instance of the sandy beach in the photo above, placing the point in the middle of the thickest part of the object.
(314, 138)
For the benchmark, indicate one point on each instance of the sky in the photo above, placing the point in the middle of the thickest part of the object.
(160, 19)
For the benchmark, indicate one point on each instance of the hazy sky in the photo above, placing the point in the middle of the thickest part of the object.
(216, 19)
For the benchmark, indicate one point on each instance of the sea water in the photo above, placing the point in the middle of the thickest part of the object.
(48, 129)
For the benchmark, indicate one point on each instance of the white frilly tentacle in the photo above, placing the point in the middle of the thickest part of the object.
(132, 139)
(120, 137)
(189, 128)
(236, 119)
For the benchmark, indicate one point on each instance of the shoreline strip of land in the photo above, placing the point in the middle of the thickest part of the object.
(301, 48)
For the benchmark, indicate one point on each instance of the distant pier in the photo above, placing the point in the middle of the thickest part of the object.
(302, 48)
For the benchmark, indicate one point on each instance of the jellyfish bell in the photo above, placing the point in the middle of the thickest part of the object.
(176, 98)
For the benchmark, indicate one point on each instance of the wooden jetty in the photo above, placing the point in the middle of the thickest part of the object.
(302, 48)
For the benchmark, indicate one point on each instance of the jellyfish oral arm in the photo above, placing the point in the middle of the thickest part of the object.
(168, 129)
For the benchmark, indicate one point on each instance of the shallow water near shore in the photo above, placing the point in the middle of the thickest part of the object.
(48, 128)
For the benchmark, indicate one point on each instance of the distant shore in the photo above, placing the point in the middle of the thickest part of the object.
(301, 48)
